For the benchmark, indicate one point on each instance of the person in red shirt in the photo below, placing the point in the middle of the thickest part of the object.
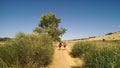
(60, 44)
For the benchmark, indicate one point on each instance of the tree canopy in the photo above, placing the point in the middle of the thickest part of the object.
(49, 24)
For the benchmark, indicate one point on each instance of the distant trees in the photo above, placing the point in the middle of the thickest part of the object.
(4, 39)
(49, 24)
(109, 33)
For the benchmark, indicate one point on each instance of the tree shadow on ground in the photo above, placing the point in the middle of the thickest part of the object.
(76, 67)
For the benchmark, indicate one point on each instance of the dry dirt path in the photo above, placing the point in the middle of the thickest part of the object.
(62, 59)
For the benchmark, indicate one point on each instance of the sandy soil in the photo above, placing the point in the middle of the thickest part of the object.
(62, 59)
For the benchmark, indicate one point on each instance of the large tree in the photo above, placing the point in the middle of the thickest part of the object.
(49, 24)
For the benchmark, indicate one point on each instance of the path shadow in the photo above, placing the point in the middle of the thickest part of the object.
(76, 67)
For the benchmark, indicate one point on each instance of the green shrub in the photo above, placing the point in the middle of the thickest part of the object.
(80, 49)
(98, 54)
(7, 55)
(26, 51)
(109, 33)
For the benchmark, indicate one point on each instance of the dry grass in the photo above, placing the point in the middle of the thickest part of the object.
(98, 54)
(26, 51)
(114, 36)
(1, 43)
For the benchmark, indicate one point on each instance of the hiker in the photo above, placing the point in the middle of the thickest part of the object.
(64, 44)
(60, 44)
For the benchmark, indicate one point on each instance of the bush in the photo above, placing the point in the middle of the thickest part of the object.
(98, 54)
(80, 49)
(109, 33)
(7, 56)
(27, 51)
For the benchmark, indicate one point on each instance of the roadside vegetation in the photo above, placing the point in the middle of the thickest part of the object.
(32, 50)
(27, 51)
(4, 39)
(98, 54)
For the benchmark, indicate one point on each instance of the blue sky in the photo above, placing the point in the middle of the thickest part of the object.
(81, 18)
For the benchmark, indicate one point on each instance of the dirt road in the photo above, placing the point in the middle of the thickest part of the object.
(62, 59)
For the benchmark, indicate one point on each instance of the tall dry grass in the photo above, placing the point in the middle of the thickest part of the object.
(98, 54)
(27, 51)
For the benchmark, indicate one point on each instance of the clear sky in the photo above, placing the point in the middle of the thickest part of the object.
(81, 18)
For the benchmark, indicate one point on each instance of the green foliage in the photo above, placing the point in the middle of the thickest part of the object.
(48, 19)
(98, 54)
(80, 48)
(49, 25)
(27, 51)
(7, 56)
(109, 33)
(4, 39)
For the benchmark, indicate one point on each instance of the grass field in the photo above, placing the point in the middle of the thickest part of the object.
(112, 36)
(26, 51)
(32, 51)
(1, 43)
(98, 54)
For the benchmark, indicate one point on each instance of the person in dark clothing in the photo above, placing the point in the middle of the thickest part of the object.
(60, 44)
